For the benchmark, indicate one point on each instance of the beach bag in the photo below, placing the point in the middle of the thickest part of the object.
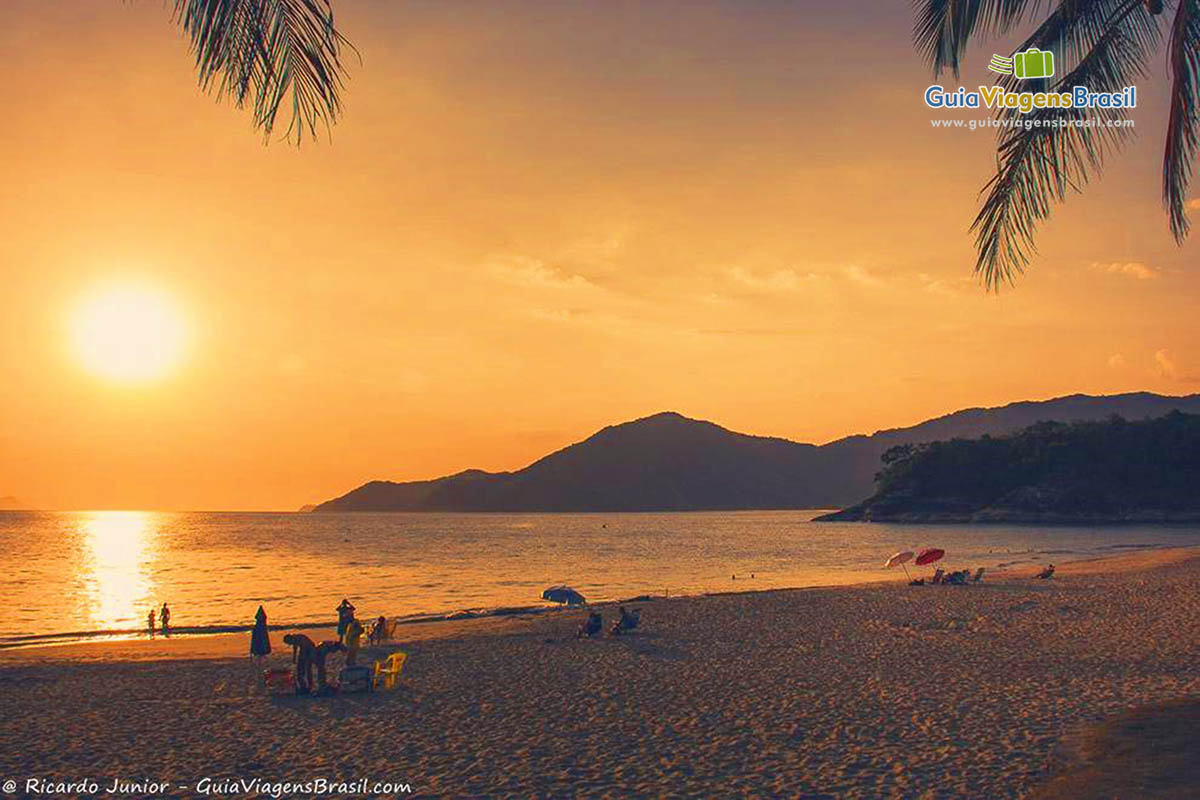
(354, 679)
(279, 681)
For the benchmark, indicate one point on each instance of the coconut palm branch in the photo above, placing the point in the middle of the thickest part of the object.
(269, 55)
(1109, 43)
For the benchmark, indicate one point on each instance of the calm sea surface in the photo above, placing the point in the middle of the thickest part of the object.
(80, 572)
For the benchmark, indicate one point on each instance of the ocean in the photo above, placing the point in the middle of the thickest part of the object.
(73, 575)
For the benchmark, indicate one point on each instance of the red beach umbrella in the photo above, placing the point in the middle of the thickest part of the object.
(929, 555)
(900, 558)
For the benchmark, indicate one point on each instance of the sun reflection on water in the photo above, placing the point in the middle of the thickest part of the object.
(116, 568)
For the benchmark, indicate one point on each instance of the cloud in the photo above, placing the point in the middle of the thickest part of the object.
(1165, 366)
(1116, 361)
(1129, 269)
(780, 280)
(749, 332)
(1193, 204)
(861, 276)
(533, 273)
(558, 314)
(946, 286)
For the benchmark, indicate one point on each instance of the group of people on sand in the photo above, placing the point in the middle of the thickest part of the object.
(594, 624)
(310, 656)
(164, 620)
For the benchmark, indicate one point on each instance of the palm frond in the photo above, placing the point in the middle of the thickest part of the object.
(1183, 59)
(1074, 27)
(944, 27)
(1050, 153)
(268, 54)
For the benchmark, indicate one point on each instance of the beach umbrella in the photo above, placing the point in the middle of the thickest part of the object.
(563, 594)
(900, 558)
(929, 555)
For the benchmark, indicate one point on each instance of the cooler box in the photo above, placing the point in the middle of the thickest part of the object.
(354, 679)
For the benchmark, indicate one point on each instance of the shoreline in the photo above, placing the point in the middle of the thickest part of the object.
(872, 690)
(227, 644)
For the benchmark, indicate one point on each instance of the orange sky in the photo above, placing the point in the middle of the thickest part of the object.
(535, 219)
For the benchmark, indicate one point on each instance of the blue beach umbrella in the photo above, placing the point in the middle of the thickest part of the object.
(563, 594)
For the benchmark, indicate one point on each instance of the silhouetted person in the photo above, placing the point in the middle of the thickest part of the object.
(591, 626)
(378, 631)
(307, 655)
(322, 652)
(304, 654)
(164, 619)
(354, 634)
(345, 612)
(628, 620)
(150, 622)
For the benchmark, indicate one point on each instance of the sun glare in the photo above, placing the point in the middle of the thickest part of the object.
(128, 333)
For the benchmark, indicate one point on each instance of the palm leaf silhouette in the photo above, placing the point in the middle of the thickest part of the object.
(269, 55)
(1109, 43)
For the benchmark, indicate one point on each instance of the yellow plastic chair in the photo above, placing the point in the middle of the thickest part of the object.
(387, 672)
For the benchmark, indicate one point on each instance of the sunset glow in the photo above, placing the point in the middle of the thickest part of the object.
(127, 333)
(532, 221)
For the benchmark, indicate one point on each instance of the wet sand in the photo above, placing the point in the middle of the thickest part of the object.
(869, 691)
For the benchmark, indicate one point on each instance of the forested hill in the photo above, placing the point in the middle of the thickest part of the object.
(1111, 471)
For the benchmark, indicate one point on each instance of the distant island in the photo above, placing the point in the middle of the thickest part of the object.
(10, 503)
(668, 462)
(1051, 472)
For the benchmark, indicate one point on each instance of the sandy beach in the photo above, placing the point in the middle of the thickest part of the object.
(880, 690)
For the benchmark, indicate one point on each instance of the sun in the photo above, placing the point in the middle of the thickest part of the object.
(128, 333)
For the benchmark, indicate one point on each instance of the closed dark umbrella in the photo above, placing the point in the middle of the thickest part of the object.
(260, 642)
(563, 594)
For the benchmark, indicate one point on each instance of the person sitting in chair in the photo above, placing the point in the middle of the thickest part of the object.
(378, 631)
(591, 626)
(629, 620)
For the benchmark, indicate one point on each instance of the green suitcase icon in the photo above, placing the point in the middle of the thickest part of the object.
(1033, 63)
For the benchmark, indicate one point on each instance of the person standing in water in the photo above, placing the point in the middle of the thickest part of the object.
(150, 623)
(345, 613)
(260, 641)
(164, 619)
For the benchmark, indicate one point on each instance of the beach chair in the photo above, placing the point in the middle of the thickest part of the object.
(387, 672)
(978, 575)
(937, 576)
(386, 632)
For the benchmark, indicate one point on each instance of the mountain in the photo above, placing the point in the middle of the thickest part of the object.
(10, 503)
(1112, 471)
(667, 462)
